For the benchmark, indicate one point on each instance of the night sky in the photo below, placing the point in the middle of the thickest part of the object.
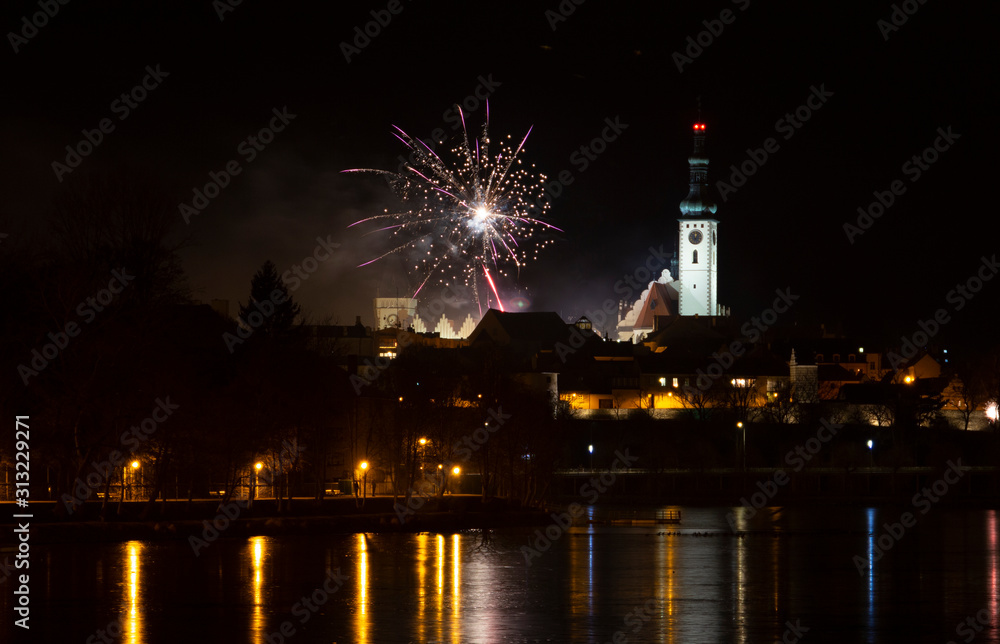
(782, 229)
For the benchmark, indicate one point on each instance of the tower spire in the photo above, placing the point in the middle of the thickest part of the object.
(698, 203)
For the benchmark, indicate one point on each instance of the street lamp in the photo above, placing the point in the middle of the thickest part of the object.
(739, 425)
(590, 448)
(130, 478)
(257, 467)
(870, 457)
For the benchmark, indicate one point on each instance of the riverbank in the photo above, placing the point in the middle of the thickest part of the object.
(209, 519)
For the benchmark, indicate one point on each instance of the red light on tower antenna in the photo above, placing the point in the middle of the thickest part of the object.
(699, 126)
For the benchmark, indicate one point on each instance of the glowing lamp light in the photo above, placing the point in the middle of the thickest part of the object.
(258, 466)
(908, 379)
(456, 470)
(590, 448)
(870, 443)
(135, 465)
(423, 441)
(991, 411)
(364, 465)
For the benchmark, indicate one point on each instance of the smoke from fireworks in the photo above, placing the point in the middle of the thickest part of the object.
(465, 222)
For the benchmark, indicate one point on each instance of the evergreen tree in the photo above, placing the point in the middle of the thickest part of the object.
(270, 299)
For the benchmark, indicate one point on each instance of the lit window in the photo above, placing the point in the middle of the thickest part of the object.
(675, 382)
(663, 382)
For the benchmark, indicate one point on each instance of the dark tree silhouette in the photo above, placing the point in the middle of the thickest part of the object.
(270, 310)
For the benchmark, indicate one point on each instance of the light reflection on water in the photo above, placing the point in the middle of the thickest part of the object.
(703, 584)
(133, 623)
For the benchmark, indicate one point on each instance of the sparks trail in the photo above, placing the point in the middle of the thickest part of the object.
(465, 219)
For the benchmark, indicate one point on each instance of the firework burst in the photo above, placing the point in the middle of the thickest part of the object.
(469, 221)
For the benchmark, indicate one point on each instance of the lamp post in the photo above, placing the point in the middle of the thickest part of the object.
(135, 466)
(364, 477)
(254, 491)
(590, 448)
(739, 425)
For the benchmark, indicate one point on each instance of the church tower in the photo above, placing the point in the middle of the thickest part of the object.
(697, 246)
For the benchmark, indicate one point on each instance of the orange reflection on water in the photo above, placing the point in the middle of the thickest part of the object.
(421, 557)
(456, 586)
(361, 614)
(132, 627)
(439, 566)
(666, 585)
(258, 626)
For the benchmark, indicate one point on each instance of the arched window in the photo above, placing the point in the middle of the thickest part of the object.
(695, 260)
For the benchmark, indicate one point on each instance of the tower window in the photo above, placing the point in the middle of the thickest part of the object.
(694, 260)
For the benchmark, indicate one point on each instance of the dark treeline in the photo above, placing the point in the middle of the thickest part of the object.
(113, 362)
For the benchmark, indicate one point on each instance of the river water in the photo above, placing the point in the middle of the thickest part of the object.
(802, 574)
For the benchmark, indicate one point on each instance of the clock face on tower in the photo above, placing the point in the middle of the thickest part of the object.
(695, 237)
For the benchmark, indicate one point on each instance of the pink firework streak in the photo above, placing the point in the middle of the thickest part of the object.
(481, 212)
(494, 287)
